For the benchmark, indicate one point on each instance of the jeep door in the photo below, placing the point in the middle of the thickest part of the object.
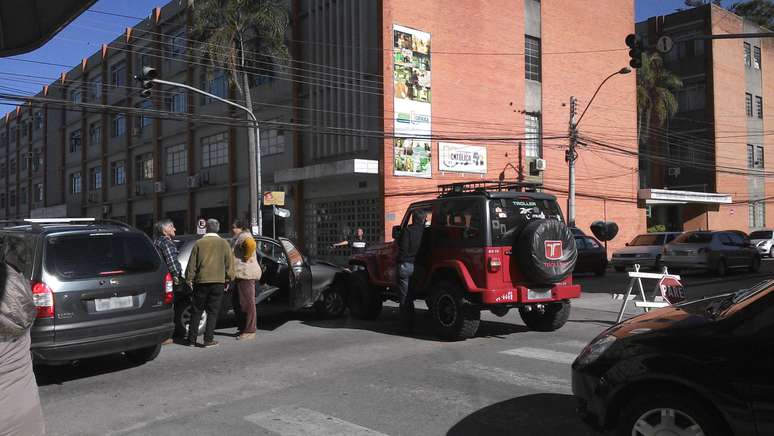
(300, 292)
(388, 259)
(458, 233)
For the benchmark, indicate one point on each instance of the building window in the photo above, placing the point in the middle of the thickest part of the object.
(24, 128)
(748, 104)
(177, 159)
(143, 60)
(22, 195)
(144, 167)
(750, 156)
(118, 172)
(13, 166)
(756, 214)
(214, 150)
(759, 106)
(532, 57)
(3, 169)
(75, 141)
(272, 142)
(95, 178)
(75, 95)
(12, 198)
(38, 195)
(24, 162)
(176, 43)
(13, 134)
(95, 87)
(145, 119)
(759, 163)
(37, 121)
(118, 74)
(4, 139)
(75, 183)
(2, 200)
(691, 97)
(747, 61)
(757, 58)
(532, 135)
(214, 85)
(37, 160)
(117, 125)
(176, 102)
(95, 133)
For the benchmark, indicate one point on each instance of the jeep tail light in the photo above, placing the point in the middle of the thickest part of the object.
(43, 298)
(494, 264)
(169, 288)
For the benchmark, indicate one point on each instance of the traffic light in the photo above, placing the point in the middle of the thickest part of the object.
(635, 50)
(147, 76)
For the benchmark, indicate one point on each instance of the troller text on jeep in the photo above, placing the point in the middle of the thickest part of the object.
(487, 246)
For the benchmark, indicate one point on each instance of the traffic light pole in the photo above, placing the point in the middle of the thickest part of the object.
(570, 156)
(254, 164)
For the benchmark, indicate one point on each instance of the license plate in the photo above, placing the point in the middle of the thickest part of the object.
(105, 304)
(538, 295)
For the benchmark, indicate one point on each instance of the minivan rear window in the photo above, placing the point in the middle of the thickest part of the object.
(509, 216)
(84, 255)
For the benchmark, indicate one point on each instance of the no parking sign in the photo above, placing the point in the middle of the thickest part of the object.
(201, 227)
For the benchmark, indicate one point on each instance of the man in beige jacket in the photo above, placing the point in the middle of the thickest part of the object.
(210, 267)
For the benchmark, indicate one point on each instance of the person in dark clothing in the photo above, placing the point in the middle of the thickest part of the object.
(408, 246)
(357, 242)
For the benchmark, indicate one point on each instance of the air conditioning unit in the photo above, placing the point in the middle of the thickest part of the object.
(193, 182)
(540, 165)
(204, 177)
(674, 171)
(139, 189)
(159, 187)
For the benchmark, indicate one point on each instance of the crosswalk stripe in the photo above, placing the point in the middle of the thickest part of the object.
(542, 383)
(298, 421)
(579, 345)
(541, 354)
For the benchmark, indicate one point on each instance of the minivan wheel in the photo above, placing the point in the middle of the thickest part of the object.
(185, 318)
(332, 303)
(755, 265)
(142, 355)
(666, 413)
(453, 316)
(364, 300)
(721, 269)
(552, 318)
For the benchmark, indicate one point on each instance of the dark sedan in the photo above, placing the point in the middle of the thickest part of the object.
(697, 368)
(592, 256)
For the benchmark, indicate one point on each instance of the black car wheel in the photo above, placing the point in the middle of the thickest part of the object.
(143, 355)
(185, 318)
(721, 269)
(755, 264)
(454, 317)
(332, 303)
(666, 413)
(364, 300)
(553, 317)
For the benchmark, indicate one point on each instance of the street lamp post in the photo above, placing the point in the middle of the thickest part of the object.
(572, 155)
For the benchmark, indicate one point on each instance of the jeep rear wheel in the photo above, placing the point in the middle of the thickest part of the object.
(454, 317)
(553, 317)
(364, 299)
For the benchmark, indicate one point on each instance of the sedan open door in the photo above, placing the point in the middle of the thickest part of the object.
(300, 277)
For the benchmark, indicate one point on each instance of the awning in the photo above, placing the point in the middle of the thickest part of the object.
(328, 169)
(668, 196)
(28, 24)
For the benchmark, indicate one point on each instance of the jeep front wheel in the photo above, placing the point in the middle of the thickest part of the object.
(552, 317)
(364, 300)
(453, 316)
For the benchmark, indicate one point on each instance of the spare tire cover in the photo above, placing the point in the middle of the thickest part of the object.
(545, 251)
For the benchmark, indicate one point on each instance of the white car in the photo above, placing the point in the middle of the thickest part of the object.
(644, 250)
(763, 241)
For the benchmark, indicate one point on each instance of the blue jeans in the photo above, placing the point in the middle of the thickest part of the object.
(405, 271)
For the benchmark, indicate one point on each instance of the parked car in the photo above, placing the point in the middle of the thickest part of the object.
(99, 287)
(763, 241)
(644, 250)
(290, 280)
(576, 231)
(486, 247)
(592, 256)
(713, 251)
(699, 368)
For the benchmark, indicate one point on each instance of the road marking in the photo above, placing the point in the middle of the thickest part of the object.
(542, 383)
(578, 345)
(541, 354)
(298, 421)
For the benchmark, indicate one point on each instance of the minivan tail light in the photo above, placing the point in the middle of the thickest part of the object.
(43, 297)
(169, 288)
(494, 264)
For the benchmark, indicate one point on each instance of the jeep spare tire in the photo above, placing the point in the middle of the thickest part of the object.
(545, 251)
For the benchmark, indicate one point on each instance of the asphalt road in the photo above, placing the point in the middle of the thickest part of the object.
(302, 376)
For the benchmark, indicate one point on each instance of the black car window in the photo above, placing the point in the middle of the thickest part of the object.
(18, 250)
(761, 234)
(736, 239)
(459, 223)
(669, 238)
(84, 255)
(510, 215)
(725, 239)
(580, 243)
(592, 243)
(694, 238)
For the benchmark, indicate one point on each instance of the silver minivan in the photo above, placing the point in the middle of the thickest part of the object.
(644, 250)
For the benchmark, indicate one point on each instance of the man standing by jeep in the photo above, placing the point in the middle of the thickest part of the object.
(408, 247)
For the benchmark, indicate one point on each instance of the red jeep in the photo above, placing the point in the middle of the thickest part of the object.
(487, 245)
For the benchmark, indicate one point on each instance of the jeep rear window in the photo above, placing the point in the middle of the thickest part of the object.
(83, 255)
(510, 215)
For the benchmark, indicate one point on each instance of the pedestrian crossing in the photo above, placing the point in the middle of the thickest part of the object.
(299, 421)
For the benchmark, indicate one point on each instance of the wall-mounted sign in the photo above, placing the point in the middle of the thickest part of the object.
(274, 198)
(461, 158)
(412, 114)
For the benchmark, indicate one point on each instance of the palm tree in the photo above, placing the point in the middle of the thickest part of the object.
(240, 36)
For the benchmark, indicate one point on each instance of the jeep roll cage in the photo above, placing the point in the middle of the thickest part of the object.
(493, 189)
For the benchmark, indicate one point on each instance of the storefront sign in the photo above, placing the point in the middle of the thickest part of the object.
(274, 198)
(461, 158)
(411, 87)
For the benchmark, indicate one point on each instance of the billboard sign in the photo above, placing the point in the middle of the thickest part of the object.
(461, 158)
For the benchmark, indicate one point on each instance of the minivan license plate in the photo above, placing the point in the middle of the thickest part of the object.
(104, 304)
(538, 295)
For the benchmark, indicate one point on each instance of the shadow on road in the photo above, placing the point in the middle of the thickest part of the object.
(552, 414)
(57, 375)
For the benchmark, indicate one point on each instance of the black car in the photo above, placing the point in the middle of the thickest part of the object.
(592, 256)
(99, 287)
(704, 367)
(290, 280)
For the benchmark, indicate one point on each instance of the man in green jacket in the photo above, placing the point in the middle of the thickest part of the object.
(210, 268)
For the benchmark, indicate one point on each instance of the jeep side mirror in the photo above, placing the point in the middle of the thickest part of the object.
(395, 232)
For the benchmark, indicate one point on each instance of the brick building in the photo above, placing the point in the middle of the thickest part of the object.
(711, 165)
(387, 100)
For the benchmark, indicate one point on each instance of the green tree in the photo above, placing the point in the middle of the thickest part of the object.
(240, 37)
(697, 3)
(656, 101)
(761, 12)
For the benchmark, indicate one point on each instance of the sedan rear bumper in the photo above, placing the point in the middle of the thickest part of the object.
(689, 261)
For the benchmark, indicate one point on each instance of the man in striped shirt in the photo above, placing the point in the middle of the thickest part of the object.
(165, 232)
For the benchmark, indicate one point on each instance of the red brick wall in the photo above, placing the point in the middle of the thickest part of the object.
(488, 92)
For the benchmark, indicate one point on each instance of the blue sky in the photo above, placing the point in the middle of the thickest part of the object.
(88, 32)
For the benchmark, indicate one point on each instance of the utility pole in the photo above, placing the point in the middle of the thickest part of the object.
(570, 156)
(521, 165)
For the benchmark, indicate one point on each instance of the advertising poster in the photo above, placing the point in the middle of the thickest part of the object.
(461, 158)
(411, 86)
